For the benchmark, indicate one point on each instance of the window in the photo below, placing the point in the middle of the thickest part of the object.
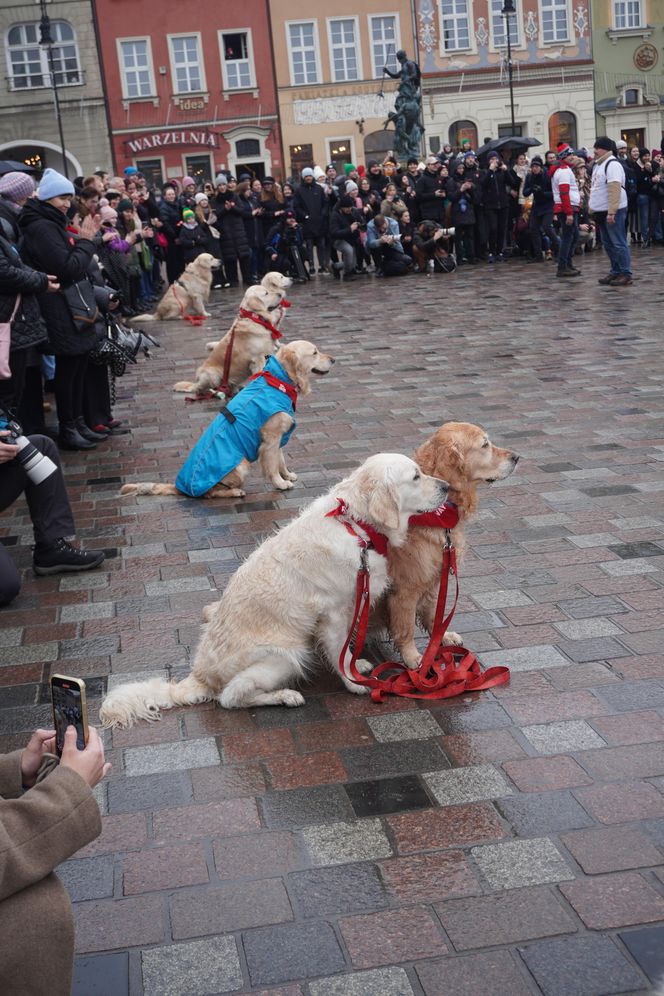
(562, 128)
(136, 67)
(498, 25)
(198, 168)
(456, 25)
(186, 64)
(463, 133)
(152, 170)
(344, 54)
(300, 156)
(247, 148)
(631, 97)
(627, 13)
(28, 61)
(384, 34)
(237, 58)
(340, 151)
(506, 131)
(554, 21)
(303, 49)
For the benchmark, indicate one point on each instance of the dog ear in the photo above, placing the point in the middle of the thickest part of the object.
(440, 457)
(384, 505)
(296, 369)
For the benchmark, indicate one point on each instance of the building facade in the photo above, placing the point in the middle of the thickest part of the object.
(463, 57)
(628, 44)
(29, 127)
(191, 88)
(332, 104)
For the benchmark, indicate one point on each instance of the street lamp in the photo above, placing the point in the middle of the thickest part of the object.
(509, 8)
(46, 39)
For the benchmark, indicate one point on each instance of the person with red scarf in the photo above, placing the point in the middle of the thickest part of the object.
(566, 203)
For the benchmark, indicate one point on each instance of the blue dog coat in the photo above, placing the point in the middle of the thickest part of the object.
(226, 442)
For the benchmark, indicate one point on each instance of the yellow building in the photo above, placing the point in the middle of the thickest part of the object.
(329, 72)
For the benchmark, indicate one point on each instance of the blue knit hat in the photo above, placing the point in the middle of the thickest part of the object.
(130, 170)
(54, 184)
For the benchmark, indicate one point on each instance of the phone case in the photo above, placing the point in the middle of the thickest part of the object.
(69, 709)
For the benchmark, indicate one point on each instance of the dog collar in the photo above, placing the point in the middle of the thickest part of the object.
(274, 332)
(445, 517)
(280, 385)
(373, 540)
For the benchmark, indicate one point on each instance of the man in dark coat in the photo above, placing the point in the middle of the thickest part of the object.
(462, 192)
(431, 193)
(232, 235)
(311, 207)
(538, 186)
(345, 224)
(50, 246)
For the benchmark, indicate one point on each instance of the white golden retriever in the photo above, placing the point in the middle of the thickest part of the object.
(297, 590)
(187, 295)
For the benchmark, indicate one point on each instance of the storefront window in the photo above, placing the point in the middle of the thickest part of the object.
(562, 128)
(339, 153)
(300, 156)
(152, 170)
(199, 168)
(463, 133)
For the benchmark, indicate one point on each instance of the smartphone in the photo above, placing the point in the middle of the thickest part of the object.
(69, 709)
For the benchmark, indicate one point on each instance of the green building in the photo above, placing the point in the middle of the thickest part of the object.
(628, 48)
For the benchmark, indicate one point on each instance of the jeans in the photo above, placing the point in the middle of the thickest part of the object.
(569, 236)
(614, 240)
(347, 254)
(643, 203)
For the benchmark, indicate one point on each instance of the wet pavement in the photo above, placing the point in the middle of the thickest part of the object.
(510, 841)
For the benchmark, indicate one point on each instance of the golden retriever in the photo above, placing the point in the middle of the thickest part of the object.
(463, 455)
(252, 342)
(277, 285)
(187, 295)
(296, 591)
(300, 359)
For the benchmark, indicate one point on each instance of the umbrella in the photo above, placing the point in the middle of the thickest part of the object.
(511, 142)
(10, 166)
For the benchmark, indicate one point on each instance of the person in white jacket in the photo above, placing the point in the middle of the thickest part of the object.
(566, 202)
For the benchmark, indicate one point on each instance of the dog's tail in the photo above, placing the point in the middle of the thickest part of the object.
(146, 318)
(148, 488)
(184, 386)
(126, 704)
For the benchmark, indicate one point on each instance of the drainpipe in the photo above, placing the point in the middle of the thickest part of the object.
(107, 112)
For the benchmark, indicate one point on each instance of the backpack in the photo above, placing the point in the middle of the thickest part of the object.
(629, 186)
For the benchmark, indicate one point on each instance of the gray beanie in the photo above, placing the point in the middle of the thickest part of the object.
(220, 178)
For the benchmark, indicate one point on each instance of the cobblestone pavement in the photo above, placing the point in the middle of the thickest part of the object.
(510, 841)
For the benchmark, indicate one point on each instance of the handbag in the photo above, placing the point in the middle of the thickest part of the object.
(6, 341)
(82, 306)
(161, 240)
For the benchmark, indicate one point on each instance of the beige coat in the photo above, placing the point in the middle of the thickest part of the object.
(39, 829)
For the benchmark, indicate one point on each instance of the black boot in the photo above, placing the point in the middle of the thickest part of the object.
(87, 432)
(69, 438)
(60, 556)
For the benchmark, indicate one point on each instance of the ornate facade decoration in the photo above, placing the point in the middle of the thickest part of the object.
(531, 29)
(646, 57)
(358, 105)
(481, 32)
(580, 21)
(428, 35)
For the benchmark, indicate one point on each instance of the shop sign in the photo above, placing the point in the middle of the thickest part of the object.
(161, 139)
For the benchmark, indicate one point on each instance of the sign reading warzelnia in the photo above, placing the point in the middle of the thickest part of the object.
(158, 139)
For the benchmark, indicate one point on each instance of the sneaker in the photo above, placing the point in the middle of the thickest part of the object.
(491, 259)
(624, 280)
(60, 556)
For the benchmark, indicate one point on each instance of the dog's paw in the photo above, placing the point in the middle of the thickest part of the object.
(452, 639)
(289, 697)
(355, 689)
(290, 476)
(412, 661)
(282, 485)
(364, 667)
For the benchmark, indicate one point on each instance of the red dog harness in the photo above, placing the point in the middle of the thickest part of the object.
(192, 319)
(281, 385)
(444, 671)
(272, 329)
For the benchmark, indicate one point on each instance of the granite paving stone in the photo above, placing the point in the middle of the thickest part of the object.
(232, 906)
(155, 791)
(546, 812)
(164, 868)
(585, 966)
(620, 802)
(257, 855)
(646, 946)
(487, 745)
(467, 976)
(470, 784)
(171, 757)
(475, 713)
(207, 966)
(396, 758)
(304, 806)
(387, 795)
(339, 843)
(328, 892)
(519, 915)
(424, 877)
(107, 924)
(525, 658)
(376, 939)
(404, 726)
(632, 695)
(375, 982)
(87, 878)
(279, 954)
(453, 826)
(558, 738)
(101, 975)
(618, 900)
(608, 849)
(517, 863)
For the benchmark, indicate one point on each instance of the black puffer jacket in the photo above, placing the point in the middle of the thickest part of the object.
(233, 237)
(49, 247)
(431, 206)
(312, 210)
(28, 328)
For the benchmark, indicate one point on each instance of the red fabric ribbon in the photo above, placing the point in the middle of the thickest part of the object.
(274, 332)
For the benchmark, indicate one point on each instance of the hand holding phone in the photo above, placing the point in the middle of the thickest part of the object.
(89, 762)
(69, 709)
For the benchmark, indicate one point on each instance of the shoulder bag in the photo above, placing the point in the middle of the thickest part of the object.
(6, 341)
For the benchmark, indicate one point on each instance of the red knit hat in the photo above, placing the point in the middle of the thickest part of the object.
(564, 150)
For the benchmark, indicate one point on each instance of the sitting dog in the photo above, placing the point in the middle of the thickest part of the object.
(295, 592)
(463, 455)
(187, 295)
(253, 335)
(256, 424)
(277, 284)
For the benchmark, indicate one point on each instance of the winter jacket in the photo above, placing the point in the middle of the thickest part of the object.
(340, 223)
(39, 829)
(463, 203)
(9, 221)
(170, 217)
(193, 242)
(28, 327)
(227, 441)
(373, 235)
(431, 207)
(48, 246)
(538, 186)
(233, 238)
(496, 185)
(312, 210)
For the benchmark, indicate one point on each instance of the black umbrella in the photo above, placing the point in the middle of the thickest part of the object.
(511, 142)
(9, 166)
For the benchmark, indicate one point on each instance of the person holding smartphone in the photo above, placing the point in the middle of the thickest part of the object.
(47, 813)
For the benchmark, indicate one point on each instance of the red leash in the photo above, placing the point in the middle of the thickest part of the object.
(272, 329)
(192, 319)
(444, 671)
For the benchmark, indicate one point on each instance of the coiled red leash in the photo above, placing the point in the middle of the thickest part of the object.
(192, 319)
(444, 672)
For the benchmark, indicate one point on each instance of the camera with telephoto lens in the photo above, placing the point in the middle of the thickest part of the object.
(36, 465)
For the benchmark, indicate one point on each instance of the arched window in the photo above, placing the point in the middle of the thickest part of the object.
(463, 133)
(562, 128)
(248, 148)
(28, 60)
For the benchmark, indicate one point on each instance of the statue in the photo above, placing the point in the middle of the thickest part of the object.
(407, 113)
